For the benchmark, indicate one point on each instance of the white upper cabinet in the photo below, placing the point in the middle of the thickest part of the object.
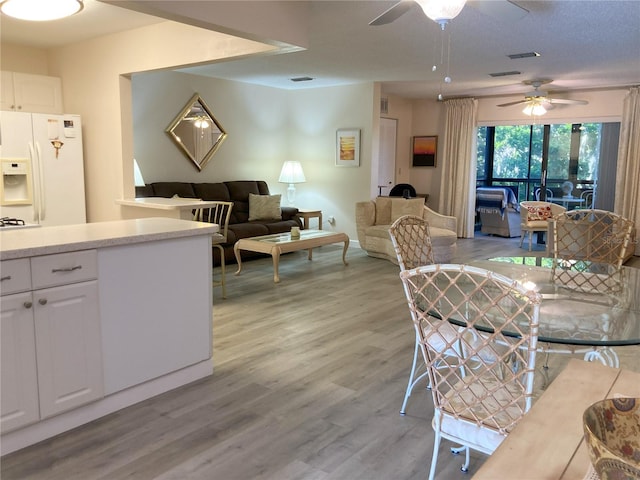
(23, 92)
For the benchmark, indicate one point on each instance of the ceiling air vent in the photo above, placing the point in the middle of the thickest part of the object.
(515, 56)
(301, 79)
(504, 74)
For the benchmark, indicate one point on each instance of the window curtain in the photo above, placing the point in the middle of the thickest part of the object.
(457, 193)
(628, 171)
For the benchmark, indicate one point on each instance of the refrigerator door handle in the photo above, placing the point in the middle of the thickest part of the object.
(36, 183)
(42, 207)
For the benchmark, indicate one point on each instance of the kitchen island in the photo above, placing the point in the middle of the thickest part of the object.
(100, 316)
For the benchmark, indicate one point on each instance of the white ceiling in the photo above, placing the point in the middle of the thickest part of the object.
(583, 45)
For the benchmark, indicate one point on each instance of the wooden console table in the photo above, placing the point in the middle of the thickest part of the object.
(548, 442)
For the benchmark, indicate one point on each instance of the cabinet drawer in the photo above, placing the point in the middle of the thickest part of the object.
(63, 268)
(15, 276)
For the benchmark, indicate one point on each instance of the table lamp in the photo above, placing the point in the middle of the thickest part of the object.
(291, 173)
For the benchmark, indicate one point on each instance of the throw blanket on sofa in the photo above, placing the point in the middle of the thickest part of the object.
(495, 199)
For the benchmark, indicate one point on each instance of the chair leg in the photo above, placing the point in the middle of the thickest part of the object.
(434, 458)
(465, 467)
(530, 239)
(222, 282)
(522, 234)
(412, 380)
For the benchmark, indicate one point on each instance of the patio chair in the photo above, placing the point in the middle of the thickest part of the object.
(218, 213)
(548, 194)
(588, 197)
(534, 217)
(476, 402)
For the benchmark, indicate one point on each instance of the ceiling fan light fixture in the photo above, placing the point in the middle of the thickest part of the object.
(534, 109)
(40, 10)
(441, 11)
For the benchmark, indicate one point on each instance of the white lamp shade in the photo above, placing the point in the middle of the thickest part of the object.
(40, 10)
(441, 11)
(291, 173)
(138, 181)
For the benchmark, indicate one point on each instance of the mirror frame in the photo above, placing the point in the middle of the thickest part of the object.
(170, 130)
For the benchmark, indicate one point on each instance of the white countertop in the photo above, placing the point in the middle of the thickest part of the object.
(30, 242)
(162, 203)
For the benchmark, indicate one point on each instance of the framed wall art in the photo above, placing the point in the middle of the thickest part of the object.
(425, 150)
(348, 147)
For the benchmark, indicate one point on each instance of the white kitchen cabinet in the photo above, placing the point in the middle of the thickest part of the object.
(150, 280)
(19, 390)
(51, 345)
(23, 92)
(68, 346)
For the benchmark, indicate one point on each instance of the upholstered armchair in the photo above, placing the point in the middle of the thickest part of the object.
(374, 217)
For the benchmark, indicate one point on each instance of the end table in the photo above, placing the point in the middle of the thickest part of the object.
(307, 214)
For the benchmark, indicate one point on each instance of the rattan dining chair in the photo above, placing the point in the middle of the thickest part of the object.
(412, 243)
(476, 402)
(220, 213)
(584, 242)
(594, 235)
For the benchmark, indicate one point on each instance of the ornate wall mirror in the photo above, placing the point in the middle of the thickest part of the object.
(196, 132)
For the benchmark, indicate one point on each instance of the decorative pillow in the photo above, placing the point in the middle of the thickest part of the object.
(538, 212)
(264, 207)
(401, 207)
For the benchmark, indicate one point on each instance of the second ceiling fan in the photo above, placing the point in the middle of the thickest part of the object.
(538, 101)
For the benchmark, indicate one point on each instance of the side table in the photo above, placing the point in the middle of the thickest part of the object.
(307, 214)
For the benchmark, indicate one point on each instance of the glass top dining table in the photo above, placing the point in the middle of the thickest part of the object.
(586, 307)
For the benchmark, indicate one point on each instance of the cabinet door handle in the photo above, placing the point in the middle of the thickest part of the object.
(8, 277)
(68, 269)
(42, 301)
(27, 304)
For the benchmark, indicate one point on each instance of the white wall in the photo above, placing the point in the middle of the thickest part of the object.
(265, 127)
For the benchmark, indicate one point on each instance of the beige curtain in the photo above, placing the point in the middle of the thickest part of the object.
(457, 193)
(628, 171)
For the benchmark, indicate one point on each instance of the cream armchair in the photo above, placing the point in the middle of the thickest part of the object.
(374, 217)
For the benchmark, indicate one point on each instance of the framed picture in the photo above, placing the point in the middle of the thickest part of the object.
(425, 150)
(348, 147)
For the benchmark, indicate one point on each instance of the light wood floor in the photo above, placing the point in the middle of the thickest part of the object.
(309, 377)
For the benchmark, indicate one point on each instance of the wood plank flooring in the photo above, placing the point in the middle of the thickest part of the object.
(308, 380)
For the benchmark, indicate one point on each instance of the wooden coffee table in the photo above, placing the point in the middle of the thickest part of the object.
(283, 243)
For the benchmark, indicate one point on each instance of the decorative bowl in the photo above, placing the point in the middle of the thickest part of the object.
(612, 435)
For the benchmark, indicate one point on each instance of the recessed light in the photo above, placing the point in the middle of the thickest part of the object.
(301, 79)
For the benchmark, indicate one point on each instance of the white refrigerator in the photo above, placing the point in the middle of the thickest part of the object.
(51, 147)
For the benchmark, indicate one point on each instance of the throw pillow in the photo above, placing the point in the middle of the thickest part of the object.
(401, 207)
(538, 212)
(264, 207)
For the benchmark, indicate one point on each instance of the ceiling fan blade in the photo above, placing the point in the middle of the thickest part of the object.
(567, 102)
(393, 13)
(504, 10)
(513, 103)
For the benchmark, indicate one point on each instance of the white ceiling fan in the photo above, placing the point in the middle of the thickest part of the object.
(538, 101)
(441, 11)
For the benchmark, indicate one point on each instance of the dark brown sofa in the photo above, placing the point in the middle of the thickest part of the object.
(236, 192)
